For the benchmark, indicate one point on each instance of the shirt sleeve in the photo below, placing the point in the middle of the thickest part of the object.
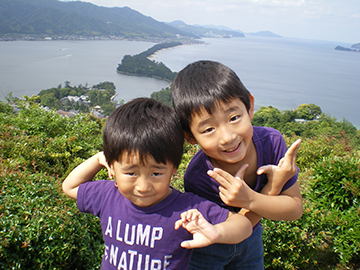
(212, 212)
(91, 196)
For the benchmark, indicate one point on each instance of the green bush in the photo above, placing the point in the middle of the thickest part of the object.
(40, 228)
(335, 189)
(35, 138)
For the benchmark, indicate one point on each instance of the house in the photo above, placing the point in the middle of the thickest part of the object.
(75, 99)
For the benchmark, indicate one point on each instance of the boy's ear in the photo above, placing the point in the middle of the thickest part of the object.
(189, 138)
(251, 110)
(112, 172)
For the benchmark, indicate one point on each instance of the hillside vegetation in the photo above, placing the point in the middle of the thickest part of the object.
(40, 228)
(141, 65)
(52, 17)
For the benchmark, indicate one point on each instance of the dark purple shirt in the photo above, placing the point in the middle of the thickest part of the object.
(270, 148)
(143, 237)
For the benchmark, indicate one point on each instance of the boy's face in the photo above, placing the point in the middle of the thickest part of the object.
(143, 184)
(226, 134)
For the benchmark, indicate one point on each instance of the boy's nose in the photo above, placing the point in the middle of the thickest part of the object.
(143, 185)
(226, 135)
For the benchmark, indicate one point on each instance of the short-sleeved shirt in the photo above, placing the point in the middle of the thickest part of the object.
(270, 148)
(143, 237)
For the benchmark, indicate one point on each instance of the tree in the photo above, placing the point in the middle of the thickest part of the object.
(308, 111)
(267, 116)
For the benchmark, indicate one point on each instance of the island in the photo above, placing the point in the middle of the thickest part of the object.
(354, 48)
(141, 65)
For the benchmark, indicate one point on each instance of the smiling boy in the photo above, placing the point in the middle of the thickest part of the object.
(236, 162)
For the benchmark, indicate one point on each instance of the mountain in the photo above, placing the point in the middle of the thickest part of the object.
(263, 34)
(219, 27)
(205, 31)
(52, 17)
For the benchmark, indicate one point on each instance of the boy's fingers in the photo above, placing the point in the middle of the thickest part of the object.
(178, 224)
(293, 149)
(241, 172)
(187, 244)
(220, 176)
(265, 169)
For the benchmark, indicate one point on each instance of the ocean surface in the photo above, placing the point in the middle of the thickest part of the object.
(280, 72)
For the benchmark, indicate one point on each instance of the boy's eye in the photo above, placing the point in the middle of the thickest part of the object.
(208, 130)
(234, 118)
(157, 174)
(131, 173)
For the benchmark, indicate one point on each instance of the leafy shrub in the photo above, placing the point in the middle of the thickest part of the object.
(313, 150)
(40, 228)
(336, 184)
(35, 138)
(335, 188)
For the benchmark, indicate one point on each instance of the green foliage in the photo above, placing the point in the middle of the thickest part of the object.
(140, 64)
(313, 150)
(40, 228)
(308, 111)
(163, 96)
(52, 17)
(101, 95)
(284, 121)
(189, 152)
(336, 184)
(35, 138)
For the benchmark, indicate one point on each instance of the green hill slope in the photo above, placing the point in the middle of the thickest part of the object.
(53, 17)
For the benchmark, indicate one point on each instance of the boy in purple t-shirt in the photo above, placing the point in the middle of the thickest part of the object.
(236, 162)
(145, 223)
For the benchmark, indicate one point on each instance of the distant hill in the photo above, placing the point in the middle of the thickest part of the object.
(219, 27)
(341, 48)
(52, 17)
(205, 31)
(263, 34)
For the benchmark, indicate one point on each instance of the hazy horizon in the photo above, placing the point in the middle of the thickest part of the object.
(331, 20)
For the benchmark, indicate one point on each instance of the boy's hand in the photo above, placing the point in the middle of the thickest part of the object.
(233, 191)
(280, 174)
(204, 233)
(102, 161)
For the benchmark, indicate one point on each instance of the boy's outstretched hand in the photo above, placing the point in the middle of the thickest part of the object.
(204, 233)
(234, 191)
(280, 174)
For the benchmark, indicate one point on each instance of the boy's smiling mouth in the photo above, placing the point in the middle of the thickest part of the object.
(233, 149)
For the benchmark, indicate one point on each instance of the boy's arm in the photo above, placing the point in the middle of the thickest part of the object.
(278, 175)
(83, 173)
(235, 192)
(286, 206)
(235, 229)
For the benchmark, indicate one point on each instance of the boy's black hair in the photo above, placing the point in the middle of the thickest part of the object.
(146, 127)
(202, 85)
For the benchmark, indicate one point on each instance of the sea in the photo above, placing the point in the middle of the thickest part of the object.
(279, 72)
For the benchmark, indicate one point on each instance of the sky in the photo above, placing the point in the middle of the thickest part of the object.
(332, 20)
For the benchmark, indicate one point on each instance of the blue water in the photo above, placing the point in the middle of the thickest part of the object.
(284, 73)
(27, 67)
(280, 72)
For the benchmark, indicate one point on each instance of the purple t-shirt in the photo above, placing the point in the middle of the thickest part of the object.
(143, 237)
(270, 148)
